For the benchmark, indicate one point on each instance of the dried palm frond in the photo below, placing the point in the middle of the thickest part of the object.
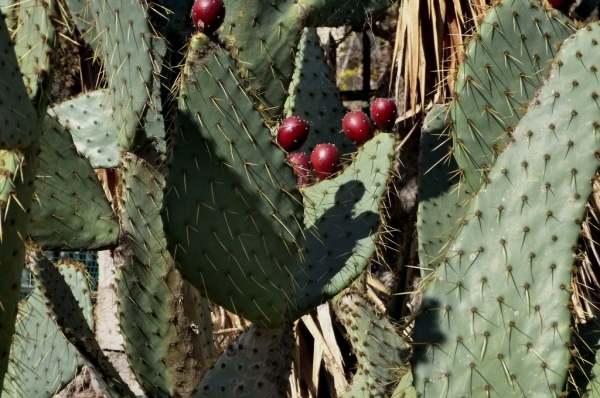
(226, 327)
(429, 44)
(586, 282)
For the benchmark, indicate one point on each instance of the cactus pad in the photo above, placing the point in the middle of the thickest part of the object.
(64, 310)
(443, 199)
(18, 117)
(84, 117)
(124, 39)
(342, 220)
(313, 82)
(503, 67)
(43, 362)
(35, 38)
(70, 210)
(381, 353)
(256, 364)
(496, 317)
(148, 290)
(242, 223)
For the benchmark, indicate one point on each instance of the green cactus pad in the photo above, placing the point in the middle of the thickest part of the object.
(405, 388)
(17, 121)
(241, 224)
(70, 210)
(42, 361)
(262, 37)
(84, 117)
(154, 123)
(256, 364)
(148, 290)
(443, 200)
(381, 353)
(314, 98)
(64, 310)
(503, 67)
(35, 37)
(16, 183)
(124, 39)
(330, 13)
(496, 317)
(342, 219)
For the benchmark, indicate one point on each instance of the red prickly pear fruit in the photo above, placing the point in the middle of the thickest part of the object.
(300, 163)
(562, 5)
(384, 113)
(325, 160)
(303, 180)
(293, 131)
(357, 127)
(208, 15)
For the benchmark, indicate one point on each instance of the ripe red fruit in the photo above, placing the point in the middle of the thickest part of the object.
(301, 165)
(325, 159)
(208, 15)
(357, 127)
(293, 131)
(384, 113)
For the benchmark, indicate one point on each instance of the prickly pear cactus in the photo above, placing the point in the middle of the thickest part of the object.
(312, 81)
(261, 40)
(443, 196)
(496, 319)
(83, 117)
(43, 361)
(381, 353)
(150, 291)
(246, 222)
(68, 197)
(257, 363)
(64, 310)
(503, 67)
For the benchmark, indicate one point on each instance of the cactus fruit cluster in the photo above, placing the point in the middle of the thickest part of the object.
(214, 200)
